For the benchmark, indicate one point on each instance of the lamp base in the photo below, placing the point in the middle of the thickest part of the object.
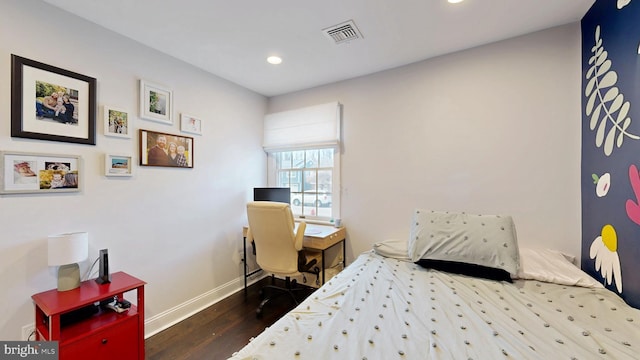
(68, 277)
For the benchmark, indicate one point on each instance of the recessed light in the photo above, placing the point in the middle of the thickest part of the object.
(455, 1)
(275, 60)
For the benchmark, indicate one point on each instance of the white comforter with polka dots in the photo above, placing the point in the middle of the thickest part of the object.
(384, 308)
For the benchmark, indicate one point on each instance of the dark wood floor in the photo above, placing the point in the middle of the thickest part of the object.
(220, 330)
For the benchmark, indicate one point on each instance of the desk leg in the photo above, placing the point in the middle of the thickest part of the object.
(323, 267)
(244, 262)
(344, 254)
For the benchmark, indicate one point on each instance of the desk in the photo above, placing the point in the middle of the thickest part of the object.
(318, 238)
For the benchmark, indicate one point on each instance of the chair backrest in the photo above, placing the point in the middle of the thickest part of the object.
(271, 226)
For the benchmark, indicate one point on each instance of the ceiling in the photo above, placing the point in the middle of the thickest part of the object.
(232, 39)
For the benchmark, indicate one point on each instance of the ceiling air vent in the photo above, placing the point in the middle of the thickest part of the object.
(345, 32)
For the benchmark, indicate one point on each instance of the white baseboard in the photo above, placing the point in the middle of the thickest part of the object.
(170, 317)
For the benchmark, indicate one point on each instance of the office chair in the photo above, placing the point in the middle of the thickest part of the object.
(278, 249)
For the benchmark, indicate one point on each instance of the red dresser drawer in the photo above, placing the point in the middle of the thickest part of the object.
(114, 342)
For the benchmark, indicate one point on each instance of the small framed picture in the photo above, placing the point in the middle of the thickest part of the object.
(190, 124)
(23, 173)
(156, 103)
(169, 150)
(118, 165)
(116, 122)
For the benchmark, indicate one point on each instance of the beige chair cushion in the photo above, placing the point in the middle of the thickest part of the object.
(271, 226)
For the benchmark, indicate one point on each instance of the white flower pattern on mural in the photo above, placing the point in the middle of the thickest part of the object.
(603, 184)
(623, 3)
(605, 104)
(604, 250)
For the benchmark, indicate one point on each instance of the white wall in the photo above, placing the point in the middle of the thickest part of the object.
(494, 129)
(177, 229)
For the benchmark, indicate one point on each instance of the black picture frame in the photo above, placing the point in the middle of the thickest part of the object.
(32, 84)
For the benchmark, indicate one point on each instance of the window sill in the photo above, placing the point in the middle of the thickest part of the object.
(314, 221)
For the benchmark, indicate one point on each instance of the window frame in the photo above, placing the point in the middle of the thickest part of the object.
(272, 181)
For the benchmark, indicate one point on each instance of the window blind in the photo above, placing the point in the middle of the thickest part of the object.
(310, 127)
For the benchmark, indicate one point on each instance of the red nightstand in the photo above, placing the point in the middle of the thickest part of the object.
(104, 334)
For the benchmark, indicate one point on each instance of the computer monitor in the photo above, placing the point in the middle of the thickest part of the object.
(277, 194)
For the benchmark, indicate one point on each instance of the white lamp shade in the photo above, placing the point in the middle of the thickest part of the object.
(68, 248)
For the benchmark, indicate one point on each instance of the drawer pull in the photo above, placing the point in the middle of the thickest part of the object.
(104, 341)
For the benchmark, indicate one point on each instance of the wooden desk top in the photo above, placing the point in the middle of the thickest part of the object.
(318, 237)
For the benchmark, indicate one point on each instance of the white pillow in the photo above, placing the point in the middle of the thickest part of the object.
(552, 266)
(392, 248)
(486, 240)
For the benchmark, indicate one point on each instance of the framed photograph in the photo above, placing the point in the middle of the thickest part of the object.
(190, 124)
(118, 165)
(49, 103)
(161, 149)
(156, 103)
(24, 173)
(117, 122)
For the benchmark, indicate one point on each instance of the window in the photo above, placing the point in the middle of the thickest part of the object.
(312, 175)
(302, 147)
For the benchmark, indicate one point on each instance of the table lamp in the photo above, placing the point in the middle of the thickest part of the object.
(66, 250)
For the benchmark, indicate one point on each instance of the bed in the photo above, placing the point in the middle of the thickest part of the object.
(389, 304)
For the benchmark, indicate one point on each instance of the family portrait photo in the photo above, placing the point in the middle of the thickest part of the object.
(28, 172)
(160, 149)
(56, 103)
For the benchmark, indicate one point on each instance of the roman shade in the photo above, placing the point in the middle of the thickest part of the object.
(310, 127)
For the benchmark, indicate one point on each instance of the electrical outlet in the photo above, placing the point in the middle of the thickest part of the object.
(28, 332)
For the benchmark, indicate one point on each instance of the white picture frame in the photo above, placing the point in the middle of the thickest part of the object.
(118, 165)
(32, 173)
(156, 103)
(117, 122)
(190, 124)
